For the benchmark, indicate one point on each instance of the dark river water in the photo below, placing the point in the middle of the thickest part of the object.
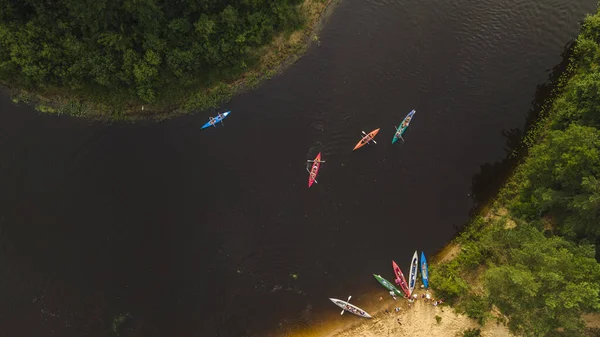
(184, 232)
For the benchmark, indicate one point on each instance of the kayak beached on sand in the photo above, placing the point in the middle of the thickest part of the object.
(350, 308)
(424, 271)
(366, 139)
(403, 126)
(412, 277)
(214, 120)
(400, 280)
(388, 285)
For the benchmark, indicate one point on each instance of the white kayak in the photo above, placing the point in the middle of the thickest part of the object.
(350, 308)
(412, 278)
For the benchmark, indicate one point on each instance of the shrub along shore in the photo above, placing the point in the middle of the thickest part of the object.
(148, 59)
(531, 261)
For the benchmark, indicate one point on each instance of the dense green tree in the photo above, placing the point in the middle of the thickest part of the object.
(140, 48)
(559, 179)
(545, 284)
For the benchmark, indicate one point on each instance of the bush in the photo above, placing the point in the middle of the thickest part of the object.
(447, 282)
(472, 333)
(477, 308)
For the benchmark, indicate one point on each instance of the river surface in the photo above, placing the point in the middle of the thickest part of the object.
(180, 232)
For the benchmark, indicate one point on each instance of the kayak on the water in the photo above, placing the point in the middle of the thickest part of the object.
(412, 278)
(366, 139)
(388, 285)
(400, 130)
(350, 308)
(424, 272)
(312, 174)
(212, 121)
(400, 280)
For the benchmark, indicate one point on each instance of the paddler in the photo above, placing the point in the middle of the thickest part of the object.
(211, 120)
(406, 122)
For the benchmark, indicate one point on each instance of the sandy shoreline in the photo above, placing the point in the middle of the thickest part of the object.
(416, 320)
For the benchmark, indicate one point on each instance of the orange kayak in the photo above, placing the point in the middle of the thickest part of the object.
(366, 139)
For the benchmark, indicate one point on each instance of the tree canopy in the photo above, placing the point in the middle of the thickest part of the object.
(135, 48)
(534, 257)
(544, 284)
(559, 179)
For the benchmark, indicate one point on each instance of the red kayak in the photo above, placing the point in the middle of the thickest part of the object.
(400, 280)
(312, 177)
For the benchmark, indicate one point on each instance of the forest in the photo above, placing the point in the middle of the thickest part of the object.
(135, 51)
(534, 257)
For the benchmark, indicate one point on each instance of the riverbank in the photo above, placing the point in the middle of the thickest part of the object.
(526, 265)
(512, 264)
(420, 319)
(282, 51)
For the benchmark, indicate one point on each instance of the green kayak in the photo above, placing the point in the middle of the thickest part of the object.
(388, 285)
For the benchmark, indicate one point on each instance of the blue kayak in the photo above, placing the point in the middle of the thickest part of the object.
(218, 119)
(424, 271)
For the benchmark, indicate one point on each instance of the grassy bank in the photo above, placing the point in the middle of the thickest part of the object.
(254, 64)
(529, 262)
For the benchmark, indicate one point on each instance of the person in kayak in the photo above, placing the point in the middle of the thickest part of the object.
(213, 121)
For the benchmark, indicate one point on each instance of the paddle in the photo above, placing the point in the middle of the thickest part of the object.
(312, 161)
(398, 136)
(370, 138)
(349, 297)
(315, 180)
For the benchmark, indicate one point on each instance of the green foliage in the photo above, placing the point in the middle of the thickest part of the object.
(476, 307)
(447, 281)
(438, 319)
(134, 49)
(559, 179)
(546, 283)
(471, 333)
(542, 282)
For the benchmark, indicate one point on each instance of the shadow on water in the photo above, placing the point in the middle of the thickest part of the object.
(492, 176)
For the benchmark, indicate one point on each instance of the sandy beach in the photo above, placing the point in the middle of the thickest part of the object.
(415, 320)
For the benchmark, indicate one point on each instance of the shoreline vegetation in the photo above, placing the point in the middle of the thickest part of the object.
(149, 71)
(527, 265)
(530, 262)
